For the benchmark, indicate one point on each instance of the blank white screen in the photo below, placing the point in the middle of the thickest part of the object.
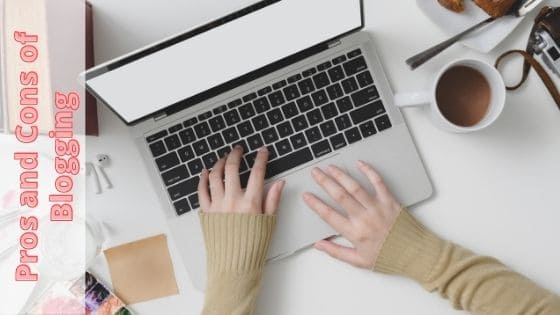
(193, 66)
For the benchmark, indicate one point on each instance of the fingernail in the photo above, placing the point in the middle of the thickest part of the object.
(316, 171)
(361, 163)
(263, 149)
(282, 183)
(332, 168)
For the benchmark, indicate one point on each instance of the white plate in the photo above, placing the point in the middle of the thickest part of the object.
(452, 23)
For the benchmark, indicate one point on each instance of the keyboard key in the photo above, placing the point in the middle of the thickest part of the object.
(220, 109)
(264, 91)
(288, 162)
(167, 161)
(279, 84)
(321, 80)
(336, 74)
(368, 129)
(209, 160)
(306, 86)
(298, 141)
(353, 135)
(354, 53)
(190, 122)
(235, 103)
(329, 111)
(186, 153)
(187, 136)
(242, 144)
(204, 116)
(156, 136)
(245, 128)
(275, 116)
(285, 129)
(321, 148)
(309, 72)
(230, 135)
(300, 123)
(232, 117)
(344, 104)
(261, 105)
(201, 147)
(314, 117)
(270, 135)
(276, 98)
(324, 66)
(223, 152)
(175, 175)
(244, 179)
(175, 128)
(343, 122)
(294, 78)
(290, 110)
(255, 142)
(272, 154)
(182, 206)
(304, 104)
(183, 189)
(367, 112)
(247, 111)
(364, 79)
(249, 97)
(202, 129)
(355, 65)
(216, 141)
(338, 141)
(217, 123)
(195, 166)
(243, 166)
(250, 159)
(328, 128)
(365, 96)
(339, 59)
(349, 85)
(320, 98)
(193, 200)
(260, 122)
(313, 134)
(157, 148)
(335, 91)
(283, 147)
(383, 123)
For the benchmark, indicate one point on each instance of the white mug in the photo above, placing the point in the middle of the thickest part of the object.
(495, 108)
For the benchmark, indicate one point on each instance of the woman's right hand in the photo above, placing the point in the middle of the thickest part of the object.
(369, 217)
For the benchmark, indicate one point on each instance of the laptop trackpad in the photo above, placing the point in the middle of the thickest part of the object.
(297, 225)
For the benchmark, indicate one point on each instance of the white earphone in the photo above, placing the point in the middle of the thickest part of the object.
(104, 161)
(90, 170)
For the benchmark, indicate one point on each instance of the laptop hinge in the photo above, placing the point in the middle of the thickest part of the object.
(334, 43)
(160, 116)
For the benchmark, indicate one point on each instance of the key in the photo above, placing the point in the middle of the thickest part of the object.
(249, 97)
(344, 104)
(232, 117)
(235, 103)
(285, 129)
(294, 78)
(299, 123)
(260, 122)
(304, 104)
(264, 91)
(183, 189)
(242, 144)
(364, 79)
(306, 86)
(261, 105)
(313, 134)
(309, 72)
(157, 136)
(288, 162)
(175, 175)
(321, 80)
(157, 148)
(338, 141)
(290, 110)
(215, 141)
(324, 66)
(255, 142)
(193, 200)
(175, 128)
(321, 148)
(186, 154)
(314, 117)
(335, 91)
(283, 147)
(271, 152)
(217, 123)
(245, 129)
(190, 122)
(383, 123)
(365, 96)
(328, 128)
(220, 109)
(354, 66)
(368, 129)
(223, 152)
(182, 206)
(367, 112)
(167, 161)
(204, 116)
(187, 136)
(279, 84)
(298, 140)
(201, 147)
(336, 74)
(209, 160)
(244, 179)
(270, 135)
(275, 116)
(343, 122)
(230, 135)
(329, 111)
(172, 142)
(250, 158)
(339, 59)
(349, 85)
(291, 92)
(247, 111)
(276, 98)
(195, 166)
(354, 53)
(353, 135)
(202, 129)
(320, 97)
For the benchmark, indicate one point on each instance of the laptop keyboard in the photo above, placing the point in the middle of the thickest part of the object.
(303, 117)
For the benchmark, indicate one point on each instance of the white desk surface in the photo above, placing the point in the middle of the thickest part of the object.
(496, 190)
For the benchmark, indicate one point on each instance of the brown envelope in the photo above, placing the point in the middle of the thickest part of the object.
(142, 270)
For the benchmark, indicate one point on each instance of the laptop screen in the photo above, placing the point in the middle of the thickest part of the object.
(136, 88)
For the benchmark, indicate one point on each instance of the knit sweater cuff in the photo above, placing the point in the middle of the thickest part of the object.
(236, 243)
(409, 249)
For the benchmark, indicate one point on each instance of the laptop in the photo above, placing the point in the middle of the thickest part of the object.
(298, 76)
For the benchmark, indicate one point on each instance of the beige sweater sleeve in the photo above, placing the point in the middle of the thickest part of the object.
(481, 285)
(236, 247)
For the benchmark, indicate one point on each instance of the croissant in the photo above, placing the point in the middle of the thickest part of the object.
(495, 8)
(453, 5)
